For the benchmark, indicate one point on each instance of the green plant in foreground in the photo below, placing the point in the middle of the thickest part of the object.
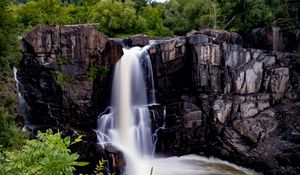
(46, 155)
(100, 167)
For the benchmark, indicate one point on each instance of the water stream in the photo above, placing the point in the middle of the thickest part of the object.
(126, 124)
(21, 100)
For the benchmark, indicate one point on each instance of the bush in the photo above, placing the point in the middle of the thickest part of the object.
(62, 79)
(154, 22)
(48, 154)
(5, 132)
(10, 136)
(93, 72)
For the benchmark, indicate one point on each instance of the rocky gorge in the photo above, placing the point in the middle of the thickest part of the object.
(220, 96)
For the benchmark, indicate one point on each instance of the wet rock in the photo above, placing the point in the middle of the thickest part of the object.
(222, 109)
(272, 38)
(111, 54)
(249, 81)
(257, 128)
(248, 109)
(169, 63)
(192, 119)
(279, 80)
(56, 72)
(116, 157)
(254, 78)
(196, 39)
(138, 40)
(259, 38)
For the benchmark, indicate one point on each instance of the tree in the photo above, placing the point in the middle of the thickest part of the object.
(51, 12)
(248, 14)
(115, 17)
(4, 25)
(185, 15)
(9, 44)
(139, 4)
(155, 26)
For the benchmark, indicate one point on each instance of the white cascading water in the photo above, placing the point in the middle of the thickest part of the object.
(126, 124)
(21, 99)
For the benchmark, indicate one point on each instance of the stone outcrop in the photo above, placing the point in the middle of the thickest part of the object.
(137, 40)
(235, 99)
(64, 77)
(221, 99)
(273, 38)
(57, 73)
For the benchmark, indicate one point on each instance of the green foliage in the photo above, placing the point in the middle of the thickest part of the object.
(185, 15)
(49, 12)
(93, 72)
(101, 167)
(247, 13)
(48, 154)
(62, 60)
(62, 79)
(5, 131)
(141, 16)
(138, 4)
(9, 44)
(154, 22)
(286, 15)
(114, 16)
(78, 14)
(10, 136)
(201, 14)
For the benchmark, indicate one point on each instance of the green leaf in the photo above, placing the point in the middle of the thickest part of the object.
(81, 163)
(67, 141)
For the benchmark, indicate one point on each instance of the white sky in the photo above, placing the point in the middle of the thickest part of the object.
(160, 0)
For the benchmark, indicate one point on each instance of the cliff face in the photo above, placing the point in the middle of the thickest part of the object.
(220, 98)
(240, 104)
(57, 73)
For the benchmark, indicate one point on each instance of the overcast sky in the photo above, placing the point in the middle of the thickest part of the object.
(160, 0)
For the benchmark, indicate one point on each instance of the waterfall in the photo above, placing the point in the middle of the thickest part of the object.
(127, 125)
(21, 100)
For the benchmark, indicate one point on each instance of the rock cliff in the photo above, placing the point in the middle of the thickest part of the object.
(221, 99)
(235, 103)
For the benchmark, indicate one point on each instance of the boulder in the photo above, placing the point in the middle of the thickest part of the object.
(137, 40)
(222, 109)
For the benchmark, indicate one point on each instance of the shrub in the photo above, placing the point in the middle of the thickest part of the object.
(92, 72)
(48, 154)
(62, 79)
(10, 136)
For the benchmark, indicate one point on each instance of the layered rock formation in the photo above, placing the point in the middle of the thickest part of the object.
(220, 98)
(231, 101)
(57, 74)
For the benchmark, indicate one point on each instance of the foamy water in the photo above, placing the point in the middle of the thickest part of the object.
(194, 165)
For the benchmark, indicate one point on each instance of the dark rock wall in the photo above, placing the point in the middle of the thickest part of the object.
(229, 101)
(273, 38)
(55, 74)
(221, 99)
(65, 79)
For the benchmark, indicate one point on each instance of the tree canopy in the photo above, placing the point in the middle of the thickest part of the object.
(154, 18)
